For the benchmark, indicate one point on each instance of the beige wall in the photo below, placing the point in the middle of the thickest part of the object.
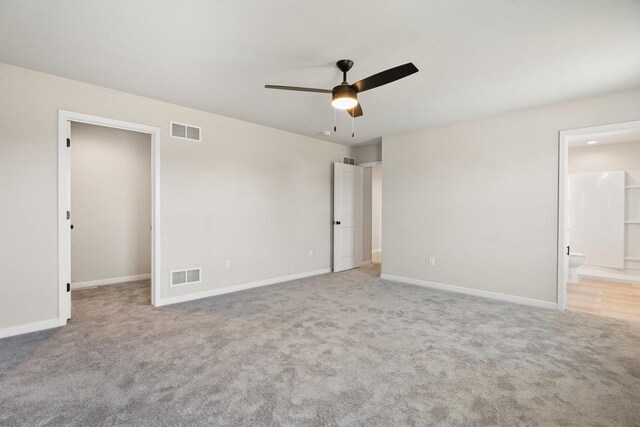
(256, 195)
(110, 203)
(603, 158)
(368, 153)
(482, 197)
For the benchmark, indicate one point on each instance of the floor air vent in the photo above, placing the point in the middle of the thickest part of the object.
(185, 277)
(182, 131)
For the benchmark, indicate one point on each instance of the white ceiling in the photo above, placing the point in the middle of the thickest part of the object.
(603, 138)
(476, 58)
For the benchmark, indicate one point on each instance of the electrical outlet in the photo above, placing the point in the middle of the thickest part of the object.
(310, 253)
(432, 261)
(227, 264)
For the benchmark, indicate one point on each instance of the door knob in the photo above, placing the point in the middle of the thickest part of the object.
(336, 222)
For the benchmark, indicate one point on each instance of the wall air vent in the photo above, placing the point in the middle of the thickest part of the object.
(186, 277)
(182, 131)
(348, 160)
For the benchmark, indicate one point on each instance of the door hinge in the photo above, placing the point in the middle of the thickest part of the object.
(68, 142)
(68, 287)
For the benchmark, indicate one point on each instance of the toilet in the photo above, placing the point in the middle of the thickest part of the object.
(575, 260)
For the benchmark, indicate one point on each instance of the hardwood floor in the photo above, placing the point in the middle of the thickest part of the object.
(604, 299)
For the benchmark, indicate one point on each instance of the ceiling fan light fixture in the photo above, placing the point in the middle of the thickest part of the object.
(344, 103)
(343, 97)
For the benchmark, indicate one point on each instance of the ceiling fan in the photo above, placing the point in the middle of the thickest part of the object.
(345, 96)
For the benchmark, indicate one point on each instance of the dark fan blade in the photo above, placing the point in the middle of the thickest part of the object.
(384, 77)
(355, 111)
(299, 89)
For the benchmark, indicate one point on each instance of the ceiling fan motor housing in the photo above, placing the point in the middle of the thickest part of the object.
(343, 90)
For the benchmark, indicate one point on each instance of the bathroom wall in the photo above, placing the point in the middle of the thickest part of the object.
(609, 158)
(603, 158)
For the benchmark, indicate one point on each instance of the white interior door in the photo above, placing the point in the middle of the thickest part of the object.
(347, 216)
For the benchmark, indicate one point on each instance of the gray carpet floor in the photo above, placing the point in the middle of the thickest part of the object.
(340, 349)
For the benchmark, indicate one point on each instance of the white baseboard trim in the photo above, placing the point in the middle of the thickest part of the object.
(111, 281)
(29, 327)
(240, 287)
(475, 292)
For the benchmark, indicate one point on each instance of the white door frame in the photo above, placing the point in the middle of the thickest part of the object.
(370, 164)
(563, 173)
(64, 195)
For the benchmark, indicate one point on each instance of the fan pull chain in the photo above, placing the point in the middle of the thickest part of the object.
(335, 118)
(353, 126)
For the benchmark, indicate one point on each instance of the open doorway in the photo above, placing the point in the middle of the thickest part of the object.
(599, 265)
(111, 205)
(372, 218)
(108, 196)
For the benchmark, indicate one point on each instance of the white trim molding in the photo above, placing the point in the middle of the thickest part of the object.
(65, 118)
(110, 281)
(469, 291)
(370, 164)
(29, 327)
(240, 287)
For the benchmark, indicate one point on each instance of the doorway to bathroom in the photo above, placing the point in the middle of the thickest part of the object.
(599, 221)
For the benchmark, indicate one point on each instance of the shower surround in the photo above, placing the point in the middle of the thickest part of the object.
(604, 224)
